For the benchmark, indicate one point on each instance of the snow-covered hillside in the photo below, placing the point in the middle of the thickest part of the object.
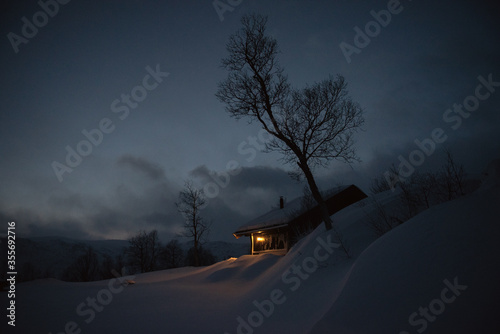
(436, 273)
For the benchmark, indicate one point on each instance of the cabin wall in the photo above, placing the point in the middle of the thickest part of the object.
(279, 240)
(274, 242)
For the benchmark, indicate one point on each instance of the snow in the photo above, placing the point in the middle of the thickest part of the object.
(309, 290)
(406, 269)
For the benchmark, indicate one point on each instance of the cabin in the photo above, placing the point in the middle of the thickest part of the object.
(278, 230)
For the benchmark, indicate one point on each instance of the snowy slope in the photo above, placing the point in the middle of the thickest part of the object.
(313, 289)
(222, 250)
(196, 300)
(457, 244)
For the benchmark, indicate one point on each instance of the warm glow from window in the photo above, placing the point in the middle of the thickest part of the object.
(260, 239)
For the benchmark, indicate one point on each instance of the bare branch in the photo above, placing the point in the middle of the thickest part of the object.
(310, 126)
(191, 200)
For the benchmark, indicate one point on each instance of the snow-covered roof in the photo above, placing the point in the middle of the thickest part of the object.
(281, 217)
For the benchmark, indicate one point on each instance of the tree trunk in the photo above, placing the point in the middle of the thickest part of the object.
(323, 207)
(196, 254)
(195, 234)
(317, 195)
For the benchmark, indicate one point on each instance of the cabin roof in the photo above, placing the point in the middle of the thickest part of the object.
(277, 218)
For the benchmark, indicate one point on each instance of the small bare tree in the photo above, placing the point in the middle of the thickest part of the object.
(85, 268)
(191, 200)
(309, 127)
(381, 219)
(172, 254)
(452, 177)
(379, 184)
(143, 251)
(426, 188)
(106, 266)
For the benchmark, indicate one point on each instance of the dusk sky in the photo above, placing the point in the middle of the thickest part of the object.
(144, 74)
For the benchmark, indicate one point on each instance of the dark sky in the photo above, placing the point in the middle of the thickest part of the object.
(75, 73)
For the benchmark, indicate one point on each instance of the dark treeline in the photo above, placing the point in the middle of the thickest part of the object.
(145, 253)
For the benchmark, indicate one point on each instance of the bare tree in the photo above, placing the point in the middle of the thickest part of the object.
(191, 200)
(172, 254)
(120, 260)
(410, 196)
(85, 268)
(427, 189)
(379, 184)
(143, 251)
(205, 257)
(381, 219)
(106, 267)
(309, 127)
(452, 177)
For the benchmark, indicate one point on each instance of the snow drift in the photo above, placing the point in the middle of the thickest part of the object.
(398, 283)
(436, 273)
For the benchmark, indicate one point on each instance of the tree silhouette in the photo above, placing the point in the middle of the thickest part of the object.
(85, 268)
(191, 200)
(172, 254)
(309, 126)
(143, 251)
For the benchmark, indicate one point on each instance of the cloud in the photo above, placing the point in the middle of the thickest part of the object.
(31, 224)
(248, 177)
(118, 210)
(252, 190)
(202, 172)
(152, 170)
